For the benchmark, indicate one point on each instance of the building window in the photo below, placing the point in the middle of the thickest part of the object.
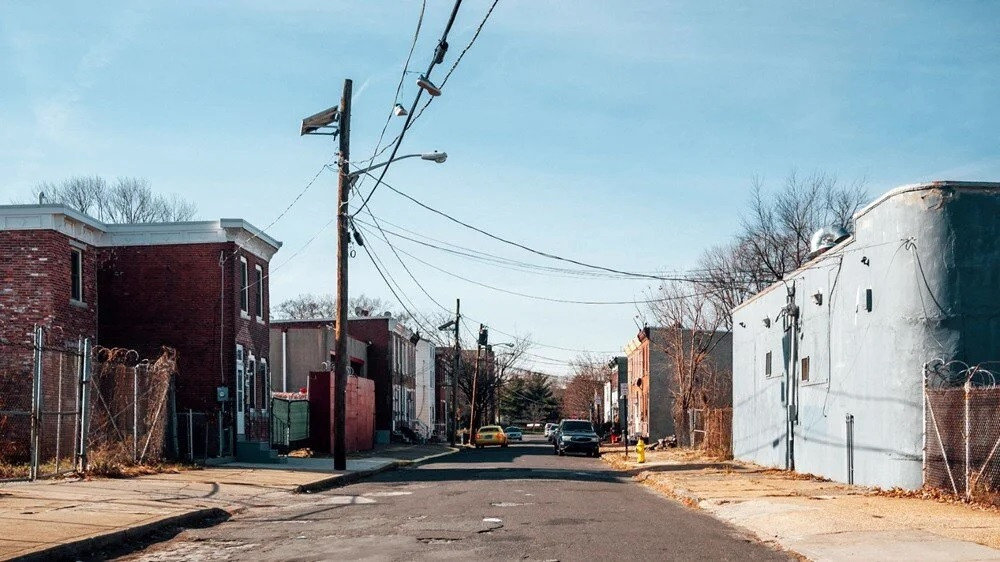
(244, 288)
(805, 369)
(259, 284)
(767, 364)
(76, 274)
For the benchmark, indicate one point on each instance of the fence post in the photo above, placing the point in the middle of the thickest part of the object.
(84, 405)
(135, 413)
(76, 410)
(36, 402)
(968, 388)
(190, 435)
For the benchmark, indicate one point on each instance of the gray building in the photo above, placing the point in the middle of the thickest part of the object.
(849, 332)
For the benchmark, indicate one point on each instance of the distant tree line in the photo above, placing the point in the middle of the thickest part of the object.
(127, 200)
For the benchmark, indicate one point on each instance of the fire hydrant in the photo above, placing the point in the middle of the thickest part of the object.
(640, 450)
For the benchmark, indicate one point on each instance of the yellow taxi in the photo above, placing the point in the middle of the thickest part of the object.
(490, 435)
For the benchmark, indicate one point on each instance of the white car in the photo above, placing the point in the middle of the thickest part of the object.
(549, 428)
(514, 433)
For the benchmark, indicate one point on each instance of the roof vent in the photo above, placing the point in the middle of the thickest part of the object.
(826, 238)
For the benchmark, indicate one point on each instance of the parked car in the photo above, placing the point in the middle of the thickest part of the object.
(490, 435)
(514, 433)
(576, 436)
(549, 428)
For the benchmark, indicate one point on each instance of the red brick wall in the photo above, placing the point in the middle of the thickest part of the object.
(35, 288)
(252, 334)
(170, 295)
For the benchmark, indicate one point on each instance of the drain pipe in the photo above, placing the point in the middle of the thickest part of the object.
(284, 360)
(850, 448)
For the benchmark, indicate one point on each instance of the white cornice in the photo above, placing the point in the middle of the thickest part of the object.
(95, 233)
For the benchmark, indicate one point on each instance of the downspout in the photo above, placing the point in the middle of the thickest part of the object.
(284, 360)
(791, 382)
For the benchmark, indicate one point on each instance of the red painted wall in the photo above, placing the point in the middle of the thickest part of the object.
(360, 430)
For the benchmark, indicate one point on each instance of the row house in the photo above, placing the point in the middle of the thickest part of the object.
(650, 367)
(200, 287)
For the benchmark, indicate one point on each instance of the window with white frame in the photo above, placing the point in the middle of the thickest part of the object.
(244, 288)
(76, 274)
(259, 285)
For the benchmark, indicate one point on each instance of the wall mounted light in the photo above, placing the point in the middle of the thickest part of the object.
(767, 322)
(864, 260)
(818, 298)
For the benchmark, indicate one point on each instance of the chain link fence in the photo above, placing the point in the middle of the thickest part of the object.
(962, 436)
(65, 407)
(710, 429)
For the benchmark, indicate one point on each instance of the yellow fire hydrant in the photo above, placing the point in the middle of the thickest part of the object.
(640, 450)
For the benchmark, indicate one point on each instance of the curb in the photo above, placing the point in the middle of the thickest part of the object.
(352, 477)
(72, 549)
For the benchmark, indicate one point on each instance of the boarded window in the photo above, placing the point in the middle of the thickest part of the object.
(767, 364)
(76, 274)
(805, 369)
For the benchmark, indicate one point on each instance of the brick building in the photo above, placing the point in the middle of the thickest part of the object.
(651, 379)
(199, 287)
(388, 357)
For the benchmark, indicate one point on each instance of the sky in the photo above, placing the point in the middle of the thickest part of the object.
(620, 134)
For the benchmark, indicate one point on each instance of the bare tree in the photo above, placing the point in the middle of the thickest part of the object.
(305, 307)
(496, 365)
(128, 200)
(693, 326)
(774, 237)
(587, 382)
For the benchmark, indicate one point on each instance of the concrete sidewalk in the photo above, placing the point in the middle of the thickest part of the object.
(818, 519)
(59, 519)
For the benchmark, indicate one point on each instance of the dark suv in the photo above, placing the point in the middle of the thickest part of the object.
(576, 436)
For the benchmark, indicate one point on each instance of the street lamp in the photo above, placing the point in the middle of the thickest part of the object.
(336, 121)
(438, 157)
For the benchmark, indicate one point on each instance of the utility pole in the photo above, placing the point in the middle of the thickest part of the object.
(454, 373)
(483, 340)
(340, 348)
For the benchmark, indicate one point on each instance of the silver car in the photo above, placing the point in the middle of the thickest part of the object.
(514, 433)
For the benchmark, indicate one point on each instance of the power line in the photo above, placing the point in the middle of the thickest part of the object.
(499, 261)
(240, 246)
(450, 70)
(536, 297)
(399, 88)
(528, 248)
(439, 53)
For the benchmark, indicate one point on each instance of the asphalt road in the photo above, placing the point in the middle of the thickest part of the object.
(518, 503)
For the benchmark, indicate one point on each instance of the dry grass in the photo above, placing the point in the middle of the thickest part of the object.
(116, 462)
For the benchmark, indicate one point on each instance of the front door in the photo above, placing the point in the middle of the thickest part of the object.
(240, 392)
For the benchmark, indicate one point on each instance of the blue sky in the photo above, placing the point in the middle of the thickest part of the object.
(624, 134)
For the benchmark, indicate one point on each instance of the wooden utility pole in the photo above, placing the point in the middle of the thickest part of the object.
(340, 348)
(454, 373)
(475, 378)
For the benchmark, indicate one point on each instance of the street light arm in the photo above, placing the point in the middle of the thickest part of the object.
(438, 157)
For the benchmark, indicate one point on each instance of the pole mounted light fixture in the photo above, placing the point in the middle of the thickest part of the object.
(399, 110)
(437, 157)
